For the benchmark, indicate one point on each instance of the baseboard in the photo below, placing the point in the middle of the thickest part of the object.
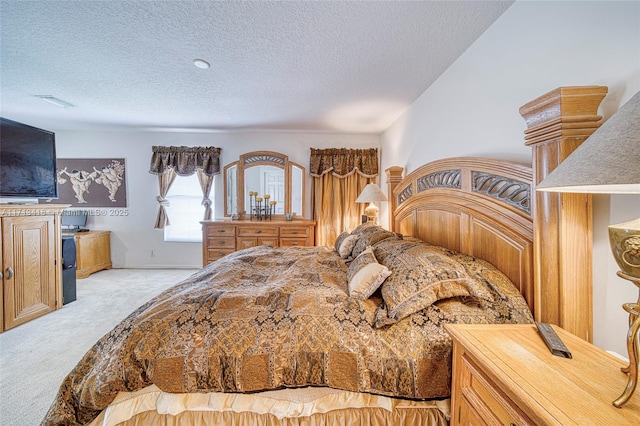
(617, 355)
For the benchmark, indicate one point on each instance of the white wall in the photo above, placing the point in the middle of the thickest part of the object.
(133, 237)
(472, 109)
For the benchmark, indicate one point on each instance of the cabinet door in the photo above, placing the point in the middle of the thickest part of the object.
(268, 241)
(247, 242)
(28, 267)
(93, 252)
(468, 416)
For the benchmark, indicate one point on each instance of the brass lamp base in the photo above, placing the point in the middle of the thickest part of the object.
(632, 343)
(372, 213)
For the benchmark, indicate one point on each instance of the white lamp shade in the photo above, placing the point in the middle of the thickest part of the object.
(607, 162)
(370, 194)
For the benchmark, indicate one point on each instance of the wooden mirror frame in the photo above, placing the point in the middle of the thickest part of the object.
(264, 158)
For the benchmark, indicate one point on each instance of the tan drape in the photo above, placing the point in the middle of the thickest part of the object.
(206, 182)
(170, 161)
(339, 175)
(164, 183)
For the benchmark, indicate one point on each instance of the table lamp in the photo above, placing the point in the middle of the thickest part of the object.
(371, 194)
(608, 162)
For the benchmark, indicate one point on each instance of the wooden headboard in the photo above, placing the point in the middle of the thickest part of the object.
(485, 208)
(477, 206)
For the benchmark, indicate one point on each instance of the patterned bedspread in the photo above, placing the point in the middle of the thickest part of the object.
(267, 318)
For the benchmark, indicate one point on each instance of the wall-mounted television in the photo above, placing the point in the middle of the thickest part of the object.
(27, 161)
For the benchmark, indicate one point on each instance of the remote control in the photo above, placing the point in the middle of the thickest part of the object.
(556, 346)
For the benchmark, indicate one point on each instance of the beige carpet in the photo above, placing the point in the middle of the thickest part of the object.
(36, 356)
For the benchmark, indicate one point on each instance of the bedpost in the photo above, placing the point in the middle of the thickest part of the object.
(394, 176)
(557, 123)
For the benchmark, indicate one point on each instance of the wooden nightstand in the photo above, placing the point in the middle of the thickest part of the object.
(505, 375)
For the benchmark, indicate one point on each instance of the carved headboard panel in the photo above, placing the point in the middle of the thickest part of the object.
(477, 206)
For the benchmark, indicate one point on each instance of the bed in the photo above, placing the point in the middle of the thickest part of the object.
(477, 214)
(350, 334)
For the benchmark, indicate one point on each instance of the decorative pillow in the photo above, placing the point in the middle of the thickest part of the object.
(369, 237)
(365, 275)
(339, 240)
(423, 275)
(344, 244)
(364, 227)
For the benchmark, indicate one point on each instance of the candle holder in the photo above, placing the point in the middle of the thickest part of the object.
(259, 214)
(267, 207)
(256, 207)
(252, 204)
(272, 207)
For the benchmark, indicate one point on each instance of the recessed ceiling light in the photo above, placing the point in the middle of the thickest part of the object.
(201, 63)
(55, 101)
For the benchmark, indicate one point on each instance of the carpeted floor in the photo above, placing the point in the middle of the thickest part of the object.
(36, 356)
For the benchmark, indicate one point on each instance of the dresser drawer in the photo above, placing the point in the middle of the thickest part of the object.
(247, 242)
(221, 242)
(484, 396)
(215, 254)
(221, 231)
(299, 232)
(258, 231)
(293, 242)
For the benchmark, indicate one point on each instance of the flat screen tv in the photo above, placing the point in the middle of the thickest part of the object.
(27, 161)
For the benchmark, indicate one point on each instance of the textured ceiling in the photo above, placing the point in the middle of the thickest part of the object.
(339, 66)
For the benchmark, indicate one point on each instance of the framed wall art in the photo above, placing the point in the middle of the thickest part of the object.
(91, 182)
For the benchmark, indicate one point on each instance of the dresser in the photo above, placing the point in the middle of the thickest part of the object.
(506, 375)
(93, 252)
(221, 237)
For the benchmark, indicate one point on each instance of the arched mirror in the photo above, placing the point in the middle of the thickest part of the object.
(265, 173)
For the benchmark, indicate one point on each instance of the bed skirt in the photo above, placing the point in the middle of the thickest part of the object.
(303, 406)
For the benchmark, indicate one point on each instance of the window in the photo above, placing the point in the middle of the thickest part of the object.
(185, 210)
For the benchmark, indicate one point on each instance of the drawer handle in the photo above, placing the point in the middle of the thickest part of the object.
(221, 242)
(9, 273)
(258, 231)
(295, 243)
(294, 232)
(221, 230)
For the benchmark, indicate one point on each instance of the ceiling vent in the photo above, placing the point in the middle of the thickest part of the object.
(55, 101)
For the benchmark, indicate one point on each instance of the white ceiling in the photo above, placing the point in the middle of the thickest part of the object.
(315, 66)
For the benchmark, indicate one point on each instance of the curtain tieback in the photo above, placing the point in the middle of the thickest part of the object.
(206, 201)
(162, 201)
